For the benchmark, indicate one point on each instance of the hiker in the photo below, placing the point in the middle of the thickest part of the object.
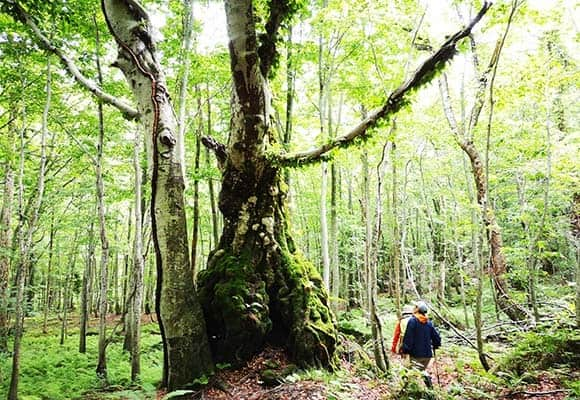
(420, 340)
(400, 328)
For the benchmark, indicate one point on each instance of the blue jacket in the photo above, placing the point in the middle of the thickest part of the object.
(420, 336)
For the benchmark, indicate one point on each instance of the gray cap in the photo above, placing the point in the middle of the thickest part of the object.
(407, 310)
(422, 307)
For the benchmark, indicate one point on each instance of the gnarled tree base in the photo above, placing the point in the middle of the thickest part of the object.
(252, 299)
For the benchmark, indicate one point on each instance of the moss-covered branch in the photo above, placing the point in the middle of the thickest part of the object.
(397, 99)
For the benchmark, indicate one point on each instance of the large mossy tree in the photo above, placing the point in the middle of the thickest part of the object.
(257, 288)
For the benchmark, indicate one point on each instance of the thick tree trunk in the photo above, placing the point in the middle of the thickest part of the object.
(256, 287)
(186, 352)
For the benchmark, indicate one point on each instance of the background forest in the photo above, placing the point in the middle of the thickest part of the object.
(468, 197)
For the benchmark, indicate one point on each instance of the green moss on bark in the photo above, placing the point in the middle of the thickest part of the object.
(300, 302)
(235, 304)
(279, 298)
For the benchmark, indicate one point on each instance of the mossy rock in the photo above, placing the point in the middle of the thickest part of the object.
(349, 328)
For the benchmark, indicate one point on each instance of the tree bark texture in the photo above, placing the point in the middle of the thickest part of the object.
(186, 351)
(136, 296)
(257, 287)
(103, 268)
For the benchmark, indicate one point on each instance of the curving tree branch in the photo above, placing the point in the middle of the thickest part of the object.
(219, 149)
(127, 110)
(424, 74)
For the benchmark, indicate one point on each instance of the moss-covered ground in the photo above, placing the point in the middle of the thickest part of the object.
(54, 372)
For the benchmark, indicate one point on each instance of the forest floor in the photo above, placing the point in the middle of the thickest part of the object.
(248, 383)
(55, 371)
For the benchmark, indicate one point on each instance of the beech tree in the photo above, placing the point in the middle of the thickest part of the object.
(257, 286)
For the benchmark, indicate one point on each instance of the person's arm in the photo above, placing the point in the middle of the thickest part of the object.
(435, 338)
(409, 334)
(396, 337)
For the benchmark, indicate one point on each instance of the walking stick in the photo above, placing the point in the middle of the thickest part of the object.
(436, 369)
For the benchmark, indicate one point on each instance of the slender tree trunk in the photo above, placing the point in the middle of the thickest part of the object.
(186, 352)
(290, 93)
(5, 245)
(210, 182)
(196, 166)
(333, 236)
(127, 259)
(334, 260)
(138, 266)
(117, 297)
(373, 240)
(183, 85)
(324, 226)
(20, 279)
(48, 290)
(182, 122)
(476, 254)
(67, 284)
(85, 287)
(129, 280)
(396, 234)
(102, 345)
(26, 238)
(497, 259)
(577, 245)
(532, 258)
(464, 136)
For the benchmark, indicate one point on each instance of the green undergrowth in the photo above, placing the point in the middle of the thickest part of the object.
(554, 345)
(552, 349)
(54, 372)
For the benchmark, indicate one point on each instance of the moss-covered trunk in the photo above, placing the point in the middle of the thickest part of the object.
(257, 288)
